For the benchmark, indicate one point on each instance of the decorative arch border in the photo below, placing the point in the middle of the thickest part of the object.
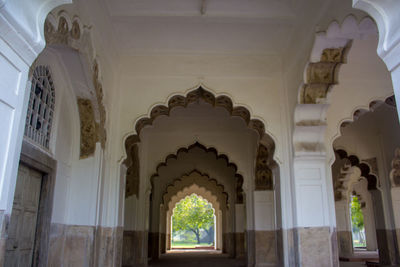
(201, 180)
(353, 160)
(194, 96)
(364, 168)
(239, 177)
(320, 76)
(360, 111)
(187, 191)
(63, 29)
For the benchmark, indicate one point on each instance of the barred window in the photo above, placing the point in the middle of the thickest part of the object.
(41, 107)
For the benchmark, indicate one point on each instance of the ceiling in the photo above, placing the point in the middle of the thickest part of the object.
(142, 27)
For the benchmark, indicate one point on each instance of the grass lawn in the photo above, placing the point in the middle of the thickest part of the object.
(189, 244)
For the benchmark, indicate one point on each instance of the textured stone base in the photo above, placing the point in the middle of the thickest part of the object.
(108, 250)
(239, 245)
(134, 251)
(4, 220)
(315, 247)
(251, 251)
(398, 243)
(345, 243)
(73, 245)
(387, 247)
(154, 242)
(163, 241)
(265, 248)
(228, 244)
(168, 243)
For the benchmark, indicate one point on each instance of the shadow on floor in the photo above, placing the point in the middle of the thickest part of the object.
(190, 258)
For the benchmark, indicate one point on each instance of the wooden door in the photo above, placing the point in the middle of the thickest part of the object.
(22, 227)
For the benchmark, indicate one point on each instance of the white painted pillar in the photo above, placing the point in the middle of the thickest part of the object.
(264, 228)
(314, 229)
(343, 228)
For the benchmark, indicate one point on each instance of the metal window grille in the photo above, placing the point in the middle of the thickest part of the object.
(41, 107)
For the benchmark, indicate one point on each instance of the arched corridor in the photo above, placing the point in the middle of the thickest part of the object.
(279, 117)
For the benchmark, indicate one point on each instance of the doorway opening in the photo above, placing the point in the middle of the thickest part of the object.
(193, 224)
(357, 224)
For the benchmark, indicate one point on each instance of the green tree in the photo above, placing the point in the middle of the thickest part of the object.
(193, 213)
(357, 218)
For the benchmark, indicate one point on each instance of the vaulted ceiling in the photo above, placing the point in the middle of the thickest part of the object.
(255, 27)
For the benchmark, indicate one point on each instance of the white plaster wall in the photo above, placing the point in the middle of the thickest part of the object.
(264, 211)
(244, 79)
(363, 79)
(77, 186)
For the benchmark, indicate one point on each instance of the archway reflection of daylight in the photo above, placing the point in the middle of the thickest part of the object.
(193, 224)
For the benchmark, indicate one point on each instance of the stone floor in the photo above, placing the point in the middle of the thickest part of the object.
(190, 258)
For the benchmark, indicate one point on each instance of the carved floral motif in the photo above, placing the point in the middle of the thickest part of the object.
(88, 128)
(321, 75)
(132, 173)
(263, 172)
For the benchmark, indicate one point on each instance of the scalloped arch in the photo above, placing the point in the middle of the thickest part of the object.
(239, 177)
(188, 191)
(200, 179)
(194, 96)
(363, 167)
(360, 111)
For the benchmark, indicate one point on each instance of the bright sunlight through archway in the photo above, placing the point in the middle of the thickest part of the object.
(193, 224)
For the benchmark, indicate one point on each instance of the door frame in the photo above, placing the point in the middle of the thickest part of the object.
(34, 158)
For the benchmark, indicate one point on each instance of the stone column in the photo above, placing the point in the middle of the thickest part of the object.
(343, 226)
(239, 230)
(385, 238)
(316, 239)
(168, 230)
(265, 236)
(369, 224)
(163, 228)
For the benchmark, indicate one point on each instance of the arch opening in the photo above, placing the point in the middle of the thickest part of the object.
(194, 215)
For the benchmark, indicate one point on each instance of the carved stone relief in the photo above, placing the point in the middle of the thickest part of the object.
(88, 128)
(71, 35)
(395, 172)
(195, 96)
(239, 189)
(102, 134)
(341, 181)
(132, 173)
(263, 172)
(322, 75)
